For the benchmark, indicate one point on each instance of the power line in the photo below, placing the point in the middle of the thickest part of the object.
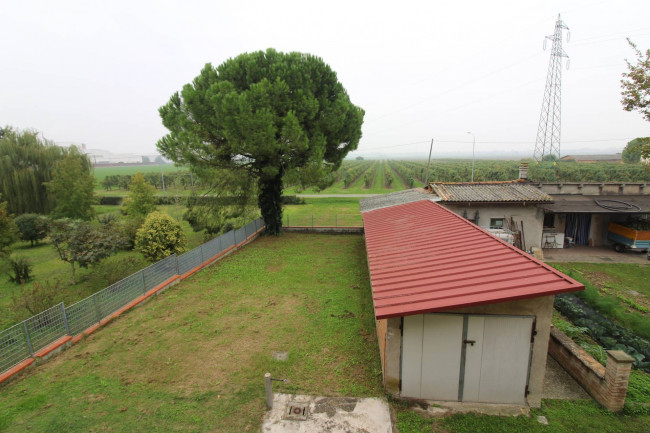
(496, 142)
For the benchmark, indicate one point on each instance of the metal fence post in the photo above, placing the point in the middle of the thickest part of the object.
(234, 238)
(201, 251)
(178, 269)
(144, 286)
(97, 307)
(29, 343)
(65, 319)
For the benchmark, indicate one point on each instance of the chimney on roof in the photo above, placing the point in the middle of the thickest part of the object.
(523, 171)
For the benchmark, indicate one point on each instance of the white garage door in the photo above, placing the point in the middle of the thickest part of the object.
(466, 357)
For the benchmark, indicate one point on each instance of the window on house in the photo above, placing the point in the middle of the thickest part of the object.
(496, 223)
(549, 220)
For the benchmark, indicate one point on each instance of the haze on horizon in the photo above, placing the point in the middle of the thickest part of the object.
(97, 72)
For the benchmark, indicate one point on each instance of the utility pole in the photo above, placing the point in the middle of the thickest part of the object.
(550, 120)
(473, 147)
(426, 181)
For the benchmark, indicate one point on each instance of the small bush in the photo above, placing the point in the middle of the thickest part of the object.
(107, 218)
(32, 227)
(39, 297)
(21, 270)
(160, 236)
(292, 199)
(129, 228)
(169, 199)
(115, 269)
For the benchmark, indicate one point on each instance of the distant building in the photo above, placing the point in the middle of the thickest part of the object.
(590, 159)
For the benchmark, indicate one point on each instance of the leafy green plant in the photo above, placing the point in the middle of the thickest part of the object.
(21, 270)
(32, 227)
(160, 236)
(37, 297)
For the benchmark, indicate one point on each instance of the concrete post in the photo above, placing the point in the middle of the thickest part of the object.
(269, 391)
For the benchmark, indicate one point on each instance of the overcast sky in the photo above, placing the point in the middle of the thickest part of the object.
(96, 72)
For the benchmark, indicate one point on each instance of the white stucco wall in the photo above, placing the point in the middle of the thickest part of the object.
(530, 215)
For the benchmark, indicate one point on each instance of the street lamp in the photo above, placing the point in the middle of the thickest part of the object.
(473, 146)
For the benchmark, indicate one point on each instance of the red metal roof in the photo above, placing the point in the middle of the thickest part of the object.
(425, 258)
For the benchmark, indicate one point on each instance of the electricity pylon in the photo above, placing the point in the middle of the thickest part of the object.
(550, 120)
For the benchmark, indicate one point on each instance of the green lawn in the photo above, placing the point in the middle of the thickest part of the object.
(194, 358)
(564, 416)
(102, 172)
(341, 211)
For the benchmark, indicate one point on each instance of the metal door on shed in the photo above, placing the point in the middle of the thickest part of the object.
(492, 366)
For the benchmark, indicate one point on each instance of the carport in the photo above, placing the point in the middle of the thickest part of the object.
(461, 315)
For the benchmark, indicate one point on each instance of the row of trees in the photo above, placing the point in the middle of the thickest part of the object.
(184, 179)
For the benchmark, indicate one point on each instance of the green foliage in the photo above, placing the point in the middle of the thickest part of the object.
(636, 84)
(635, 149)
(26, 165)
(160, 236)
(8, 229)
(79, 243)
(411, 422)
(117, 268)
(608, 334)
(38, 297)
(141, 200)
(638, 389)
(21, 270)
(111, 200)
(32, 227)
(72, 187)
(266, 115)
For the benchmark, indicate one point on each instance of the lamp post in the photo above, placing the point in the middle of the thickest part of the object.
(473, 146)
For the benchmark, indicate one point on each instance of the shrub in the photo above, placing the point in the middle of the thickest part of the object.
(141, 200)
(292, 199)
(21, 268)
(38, 297)
(107, 218)
(111, 200)
(160, 236)
(115, 269)
(32, 227)
(129, 228)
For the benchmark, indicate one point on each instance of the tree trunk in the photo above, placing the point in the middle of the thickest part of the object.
(73, 281)
(270, 202)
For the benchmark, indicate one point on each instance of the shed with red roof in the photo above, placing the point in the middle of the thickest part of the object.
(461, 315)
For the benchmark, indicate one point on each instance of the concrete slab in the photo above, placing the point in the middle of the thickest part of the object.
(329, 414)
(442, 408)
(559, 385)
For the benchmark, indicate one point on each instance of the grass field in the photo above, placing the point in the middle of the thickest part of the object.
(194, 358)
(340, 211)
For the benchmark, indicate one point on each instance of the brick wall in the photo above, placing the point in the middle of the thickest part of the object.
(607, 385)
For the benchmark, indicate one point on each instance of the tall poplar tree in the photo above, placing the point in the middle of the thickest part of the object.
(265, 114)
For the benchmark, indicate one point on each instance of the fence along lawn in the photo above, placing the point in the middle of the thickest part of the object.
(194, 358)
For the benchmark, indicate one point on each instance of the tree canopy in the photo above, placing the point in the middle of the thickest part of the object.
(26, 163)
(141, 200)
(636, 84)
(72, 186)
(264, 115)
